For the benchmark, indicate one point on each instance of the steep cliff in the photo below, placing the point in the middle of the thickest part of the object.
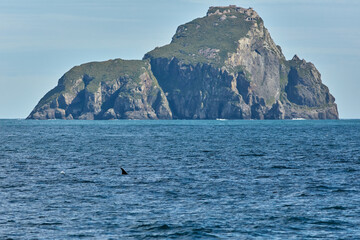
(226, 65)
(115, 89)
(223, 65)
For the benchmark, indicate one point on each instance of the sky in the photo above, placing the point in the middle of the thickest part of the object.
(40, 40)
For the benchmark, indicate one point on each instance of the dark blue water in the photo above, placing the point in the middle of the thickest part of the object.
(187, 179)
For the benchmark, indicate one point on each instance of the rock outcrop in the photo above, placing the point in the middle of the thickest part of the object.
(115, 89)
(224, 65)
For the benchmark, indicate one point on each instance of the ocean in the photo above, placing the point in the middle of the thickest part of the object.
(186, 179)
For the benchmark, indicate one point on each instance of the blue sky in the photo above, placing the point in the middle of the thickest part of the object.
(40, 40)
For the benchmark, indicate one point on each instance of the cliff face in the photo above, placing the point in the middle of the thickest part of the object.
(115, 89)
(224, 65)
(305, 96)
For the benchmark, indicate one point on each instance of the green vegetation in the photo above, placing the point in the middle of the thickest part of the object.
(202, 78)
(107, 71)
(93, 73)
(206, 40)
(50, 96)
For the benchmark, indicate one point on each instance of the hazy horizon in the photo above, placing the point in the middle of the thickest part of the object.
(42, 40)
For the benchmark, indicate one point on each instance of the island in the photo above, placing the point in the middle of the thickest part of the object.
(224, 65)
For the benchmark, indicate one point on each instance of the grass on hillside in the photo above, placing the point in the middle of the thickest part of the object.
(202, 33)
(95, 72)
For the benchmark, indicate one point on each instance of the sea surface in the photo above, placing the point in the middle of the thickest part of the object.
(186, 179)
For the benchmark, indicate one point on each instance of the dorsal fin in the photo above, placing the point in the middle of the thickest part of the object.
(123, 172)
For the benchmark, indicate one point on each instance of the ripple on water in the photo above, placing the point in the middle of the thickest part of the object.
(187, 179)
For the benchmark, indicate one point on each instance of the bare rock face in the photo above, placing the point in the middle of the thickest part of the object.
(304, 85)
(115, 89)
(247, 77)
(277, 111)
(260, 58)
(224, 65)
(200, 91)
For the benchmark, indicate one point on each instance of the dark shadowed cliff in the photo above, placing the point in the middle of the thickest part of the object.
(224, 65)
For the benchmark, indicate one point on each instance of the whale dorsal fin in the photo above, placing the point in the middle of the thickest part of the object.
(123, 172)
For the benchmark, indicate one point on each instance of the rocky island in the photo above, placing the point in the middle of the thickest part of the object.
(224, 65)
